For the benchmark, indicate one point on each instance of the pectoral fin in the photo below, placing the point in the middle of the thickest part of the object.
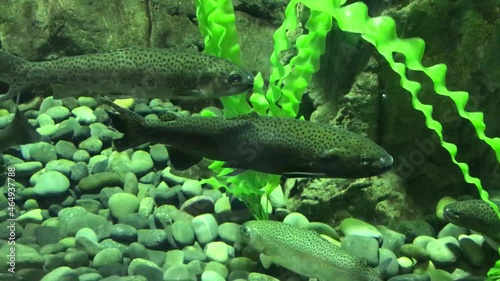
(266, 260)
(180, 160)
(330, 154)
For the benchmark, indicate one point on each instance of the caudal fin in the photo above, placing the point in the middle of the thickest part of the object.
(27, 133)
(8, 65)
(8, 71)
(18, 132)
(127, 122)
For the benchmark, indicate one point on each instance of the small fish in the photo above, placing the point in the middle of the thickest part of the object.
(283, 146)
(477, 215)
(131, 72)
(305, 252)
(18, 132)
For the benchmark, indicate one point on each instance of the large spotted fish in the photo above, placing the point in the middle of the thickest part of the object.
(284, 146)
(305, 252)
(476, 215)
(131, 72)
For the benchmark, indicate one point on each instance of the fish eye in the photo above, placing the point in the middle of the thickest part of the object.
(364, 161)
(245, 232)
(234, 79)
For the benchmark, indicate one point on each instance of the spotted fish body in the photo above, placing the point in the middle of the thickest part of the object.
(305, 252)
(130, 72)
(290, 147)
(477, 215)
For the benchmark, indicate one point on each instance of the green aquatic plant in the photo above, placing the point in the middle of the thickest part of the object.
(381, 33)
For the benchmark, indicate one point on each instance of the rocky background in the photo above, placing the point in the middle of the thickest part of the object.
(354, 89)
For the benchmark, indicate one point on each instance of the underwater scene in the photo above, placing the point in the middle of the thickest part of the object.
(249, 140)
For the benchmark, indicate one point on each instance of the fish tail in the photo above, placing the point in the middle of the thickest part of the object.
(126, 122)
(23, 129)
(8, 64)
(8, 70)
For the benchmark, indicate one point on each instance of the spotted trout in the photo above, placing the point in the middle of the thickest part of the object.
(284, 146)
(477, 215)
(131, 72)
(305, 252)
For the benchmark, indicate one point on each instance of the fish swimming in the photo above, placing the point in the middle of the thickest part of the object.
(477, 215)
(305, 252)
(18, 132)
(130, 72)
(284, 146)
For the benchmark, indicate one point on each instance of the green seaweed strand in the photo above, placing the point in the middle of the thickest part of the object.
(216, 22)
(289, 82)
(381, 32)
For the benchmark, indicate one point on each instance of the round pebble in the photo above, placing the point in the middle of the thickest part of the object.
(123, 204)
(92, 145)
(141, 163)
(65, 149)
(58, 113)
(352, 226)
(84, 115)
(97, 181)
(198, 205)
(296, 219)
(229, 232)
(123, 233)
(146, 268)
(107, 256)
(191, 188)
(444, 251)
(217, 251)
(81, 156)
(362, 247)
(179, 272)
(183, 232)
(51, 183)
(205, 228)
(42, 152)
(211, 276)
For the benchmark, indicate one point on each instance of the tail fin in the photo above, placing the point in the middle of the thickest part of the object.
(8, 64)
(18, 132)
(127, 122)
(8, 71)
(23, 128)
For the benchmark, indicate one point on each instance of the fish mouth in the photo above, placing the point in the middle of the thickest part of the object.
(386, 163)
(450, 215)
(246, 87)
(240, 89)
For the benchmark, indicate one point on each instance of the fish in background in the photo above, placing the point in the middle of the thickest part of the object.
(283, 146)
(305, 252)
(131, 72)
(476, 215)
